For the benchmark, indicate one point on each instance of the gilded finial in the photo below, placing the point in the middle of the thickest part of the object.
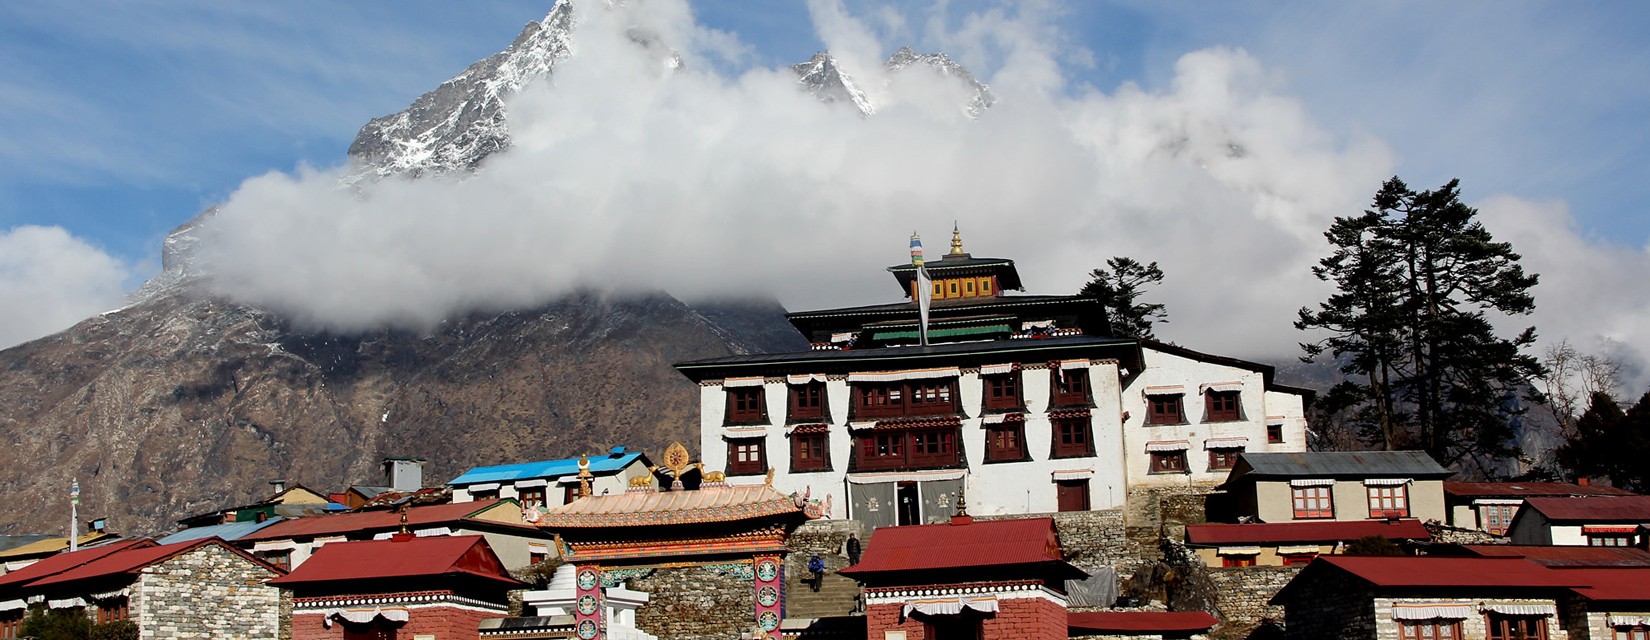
(584, 476)
(956, 240)
(769, 480)
(962, 505)
(404, 519)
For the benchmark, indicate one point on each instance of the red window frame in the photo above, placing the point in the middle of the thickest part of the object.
(114, 610)
(1292, 559)
(1164, 408)
(1274, 434)
(1222, 406)
(900, 399)
(1002, 391)
(747, 456)
(1168, 461)
(1388, 501)
(1609, 539)
(810, 451)
(533, 495)
(1237, 561)
(1496, 518)
(1510, 627)
(917, 448)
(11, 623)
(1073, 437)
(1434, 629)
(279, 557)
(746, 405)
(1006, 442)
(807, 401)
(1071, 386)
(1311, 503)
(1223, 459)
(1634, 632)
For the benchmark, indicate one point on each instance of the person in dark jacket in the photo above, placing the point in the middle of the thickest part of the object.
(816, 566)
(853, 549)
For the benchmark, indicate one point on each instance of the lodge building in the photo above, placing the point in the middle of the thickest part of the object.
(1024, 403)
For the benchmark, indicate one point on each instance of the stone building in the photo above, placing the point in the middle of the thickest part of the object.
(1336, 485)
(1490, 506)
(202, 589)
(1597, 521)
(1024, 403)
(439, 588)
(1290, 543)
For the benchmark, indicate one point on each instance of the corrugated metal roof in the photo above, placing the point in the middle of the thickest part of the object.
(1631, 509)
(56, 544)
(229, 531)
(1616, 585)
(1140, 621)
(375, 521)
(400, 557)
(1567, 556)
(65, 561)
(1293, 532)
(1329, 464)
(1434, 571)
(980, 543)
(1528, 489)
(543, 469)
(131, 559)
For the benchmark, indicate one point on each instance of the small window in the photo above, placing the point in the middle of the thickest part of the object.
(281, 558)
(11, 623)
(745, 405)
(985, 286)
(1609, 539)
(807, 401)
(1164, 409)
(1237, 561)
(1221, 406)
(1511, 627)
(1292, 559)
(747, 456)
(1006, 442)
(1168, 462)
(1071, 386)
(1389, 502)
(536, 555)
(530, 496)
(569, 493)
(1072, 437)
(1002, 391)
(939, 290)
(968, 287)
(1223, 459)
(952, 287)
(1624, 632)
(1274, 434)
(116, 609)
(479, 495)
(1313, 502)
(1497, 518)
(810, 452)
(1434, 629)
(1072, 495)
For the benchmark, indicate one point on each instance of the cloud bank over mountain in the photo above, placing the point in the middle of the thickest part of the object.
(50, 280)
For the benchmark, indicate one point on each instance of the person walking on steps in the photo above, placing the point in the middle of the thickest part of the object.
(853, 548)
(816, 566)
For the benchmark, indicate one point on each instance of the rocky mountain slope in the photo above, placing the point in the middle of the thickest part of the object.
(184, 402)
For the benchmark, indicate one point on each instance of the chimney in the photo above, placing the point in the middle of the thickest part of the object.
(277, 486)
(1583, 482)
(98, 525)
(404, 474)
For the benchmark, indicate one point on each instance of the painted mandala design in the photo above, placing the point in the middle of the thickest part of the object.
(587, 604)
(587, 629)
(766, 570)
(767, 596)
(587, 579)
(769, 620)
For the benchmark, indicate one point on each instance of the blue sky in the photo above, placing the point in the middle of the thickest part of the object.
(121, 120)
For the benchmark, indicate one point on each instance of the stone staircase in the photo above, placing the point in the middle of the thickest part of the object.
(837, 595)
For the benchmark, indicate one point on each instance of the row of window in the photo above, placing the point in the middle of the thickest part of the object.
(1500, 626)
(1246, 560)
(1175, 461)
(1319, 502)
(912, 448)
(746, 405)
(108, 610)
(1218, 406)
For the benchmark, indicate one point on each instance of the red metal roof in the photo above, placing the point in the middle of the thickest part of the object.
(364, 521)
(1293, 532)
(1600, 509)
(980, 543)
(53, 565)
(1434, 571)
(404, 556)
(1140, 621)
(1614, 584)
(1566, 556)
(1528, 489)
(130, 560)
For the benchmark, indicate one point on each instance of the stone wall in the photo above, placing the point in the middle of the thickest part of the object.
(1444, 534)
(695, 603)
(826, 538)
(1333, 607)
(209, 592)
(1020, 618)
(1242, 594)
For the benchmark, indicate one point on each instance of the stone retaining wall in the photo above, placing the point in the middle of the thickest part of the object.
(210, 592)
(695, 603)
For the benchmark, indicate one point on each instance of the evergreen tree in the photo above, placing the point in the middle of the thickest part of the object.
(1610, 443)
(1415, 277)
(1118, 288)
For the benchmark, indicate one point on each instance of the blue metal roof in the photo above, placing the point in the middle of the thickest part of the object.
(617, 459)
(229, 531)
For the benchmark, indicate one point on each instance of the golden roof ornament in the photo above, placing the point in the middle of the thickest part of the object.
(584, 476)
(956, 241)
(769, 480)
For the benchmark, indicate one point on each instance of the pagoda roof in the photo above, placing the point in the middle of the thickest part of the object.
(951, 354)
(655, 508)
(979, 304)
(960, 264)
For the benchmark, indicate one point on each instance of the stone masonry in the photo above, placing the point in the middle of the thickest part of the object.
(695, 603)
(206, 593)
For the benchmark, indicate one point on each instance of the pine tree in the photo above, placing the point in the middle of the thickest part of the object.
(1118, 288)
(1415, 278)
(1610, 443)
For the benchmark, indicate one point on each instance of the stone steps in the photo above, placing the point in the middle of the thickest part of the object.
(837, 596)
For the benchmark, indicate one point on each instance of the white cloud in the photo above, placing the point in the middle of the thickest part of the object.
(628, 176)
(50, 280)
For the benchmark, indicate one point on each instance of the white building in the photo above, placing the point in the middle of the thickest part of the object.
(1020, 403)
